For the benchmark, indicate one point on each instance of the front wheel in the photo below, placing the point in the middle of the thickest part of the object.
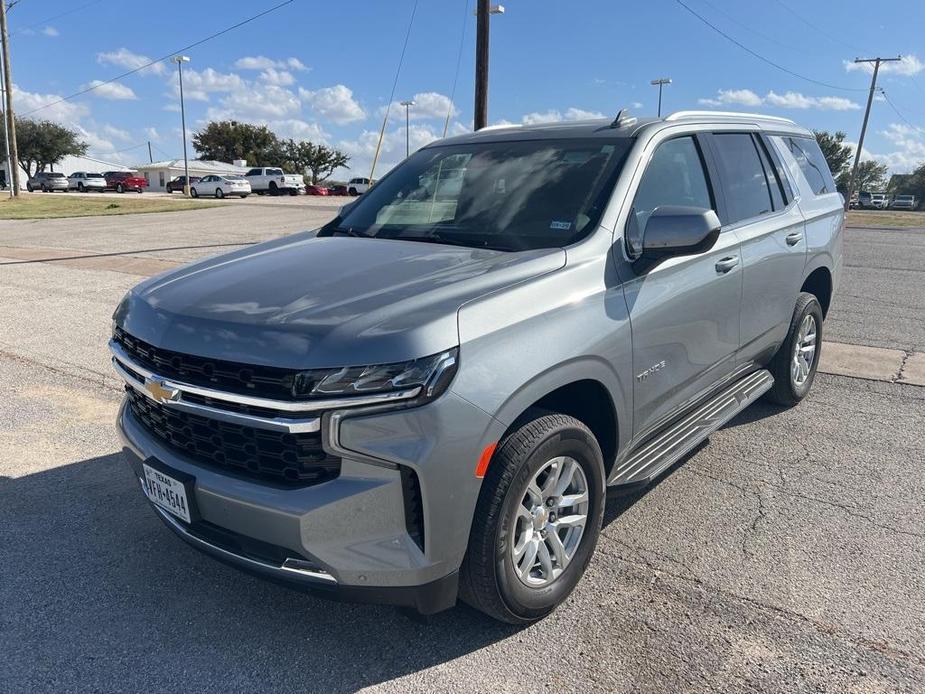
(120, 188)
(244, 195)
(81, 188)
(539, 516)
(794, 364)
(193, 193)
(29, 187)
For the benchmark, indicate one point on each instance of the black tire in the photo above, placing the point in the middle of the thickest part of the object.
(44, 188)
(120, 188)
(29, 187)
(219, 193)
(244, 195)
(81, 188)
(140, 191)
(274, 190)
(193, 193)
(786, 390)
(353, 192)
(487, 578)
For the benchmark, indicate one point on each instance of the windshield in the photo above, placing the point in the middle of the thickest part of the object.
(503, 195)
(904, 197)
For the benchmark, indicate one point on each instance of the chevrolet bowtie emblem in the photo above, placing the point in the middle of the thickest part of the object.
(159, 392)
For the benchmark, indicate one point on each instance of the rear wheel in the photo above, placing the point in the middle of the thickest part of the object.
(794, 365)
(193, 193)
(274, 190)
(539, 512)
(44, 188)
(219, 193)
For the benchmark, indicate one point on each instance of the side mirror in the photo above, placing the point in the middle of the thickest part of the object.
(678, 230)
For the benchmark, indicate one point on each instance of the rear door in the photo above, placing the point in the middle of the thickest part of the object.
(684, 311)
(760, 207)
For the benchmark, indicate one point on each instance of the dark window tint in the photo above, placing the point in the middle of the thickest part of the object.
(254, 172)
(812, 163)
(674, 176)
(777, 194)
(747, 192)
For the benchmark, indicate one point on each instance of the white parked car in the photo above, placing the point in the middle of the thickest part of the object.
(274, 181)
(220, 186)
(357, 186)
(85, 181)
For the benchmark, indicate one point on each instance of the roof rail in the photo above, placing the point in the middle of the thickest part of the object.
(499, 126)
(679, 115)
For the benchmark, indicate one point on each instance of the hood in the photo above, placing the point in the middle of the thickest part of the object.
(306, 302)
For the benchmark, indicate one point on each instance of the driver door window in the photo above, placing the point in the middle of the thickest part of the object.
(675, 176)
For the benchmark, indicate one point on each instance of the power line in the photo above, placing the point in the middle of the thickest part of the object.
(388, 106)
(462, 40)
(898, 112)
(747, 28)
(821, 31)
(57, 16)
(161, 59)
(761, 57)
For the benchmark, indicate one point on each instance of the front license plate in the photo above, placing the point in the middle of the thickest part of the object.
(166, 492)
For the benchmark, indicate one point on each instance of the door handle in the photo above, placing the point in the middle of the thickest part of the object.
(726, 264)
(794, 238)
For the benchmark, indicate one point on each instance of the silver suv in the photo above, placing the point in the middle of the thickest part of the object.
(428, 397)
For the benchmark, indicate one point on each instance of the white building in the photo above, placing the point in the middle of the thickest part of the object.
(160, 172)
(67, 166)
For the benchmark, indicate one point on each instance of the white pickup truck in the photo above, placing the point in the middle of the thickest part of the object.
(274, 181)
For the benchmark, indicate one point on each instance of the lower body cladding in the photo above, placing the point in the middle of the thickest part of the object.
(392, 527)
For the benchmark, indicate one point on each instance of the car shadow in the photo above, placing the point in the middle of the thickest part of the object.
(99, 595)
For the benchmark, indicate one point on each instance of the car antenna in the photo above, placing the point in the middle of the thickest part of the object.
(623, 118)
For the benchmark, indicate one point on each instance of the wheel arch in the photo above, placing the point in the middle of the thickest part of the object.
(818, 282)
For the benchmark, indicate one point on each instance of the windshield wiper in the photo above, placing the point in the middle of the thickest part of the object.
(350, 231)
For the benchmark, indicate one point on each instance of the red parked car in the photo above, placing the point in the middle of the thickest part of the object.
(121, 181)
(315, 190)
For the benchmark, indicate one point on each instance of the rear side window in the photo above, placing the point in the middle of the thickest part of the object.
(675, 176)
(812, 163)
(745, 183)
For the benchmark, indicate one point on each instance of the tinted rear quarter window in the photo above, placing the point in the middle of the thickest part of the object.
(812, 163)
(746, 185)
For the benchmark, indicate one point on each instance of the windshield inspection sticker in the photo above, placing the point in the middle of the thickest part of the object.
(565, 226)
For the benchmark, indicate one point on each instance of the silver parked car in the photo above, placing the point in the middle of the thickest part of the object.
(903, 202)
(47, 182)
(428, 398)
(84, 182)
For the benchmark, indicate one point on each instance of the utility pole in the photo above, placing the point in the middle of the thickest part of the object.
(870, 100)
(179, 60)
(6, 130)
(8, 106)
(660, 82)
(150, 156)
(482, 13)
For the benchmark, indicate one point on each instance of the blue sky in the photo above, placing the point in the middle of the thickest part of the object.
(323, 70)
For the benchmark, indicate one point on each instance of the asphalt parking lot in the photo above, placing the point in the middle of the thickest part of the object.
(785, 554)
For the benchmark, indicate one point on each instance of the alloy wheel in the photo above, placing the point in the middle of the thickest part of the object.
(550, 522)
(804, 350)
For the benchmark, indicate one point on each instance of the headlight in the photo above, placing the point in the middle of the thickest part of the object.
(431, 374)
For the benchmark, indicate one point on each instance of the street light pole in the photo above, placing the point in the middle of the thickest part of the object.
(660, 82)
(13, 174)
(482, 14)
(407, 104)
(179, 60)
(870, 100)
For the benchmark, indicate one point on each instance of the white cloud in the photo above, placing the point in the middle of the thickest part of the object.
(554, 115)
(257, 102)
(261, 62)
(152, 133)
(132, 61)
(908, 66)
(50, 31)
(334, 103)
(66, 112)
(636, 104)
(282, 78)
(427, 105)
(744, 97)
(791, 100)
(299, 129)
(197, 85)
(110, 90)
(117, 133)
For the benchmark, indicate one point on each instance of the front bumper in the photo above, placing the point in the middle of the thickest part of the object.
(350, 532)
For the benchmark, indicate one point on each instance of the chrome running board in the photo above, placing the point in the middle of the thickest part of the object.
(663, 450)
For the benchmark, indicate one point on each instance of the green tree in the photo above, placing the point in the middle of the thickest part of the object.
(837, 154)
(871, 177)
(43, 144)
(319, 160)
(228, 140)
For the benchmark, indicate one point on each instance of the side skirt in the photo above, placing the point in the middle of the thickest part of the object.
(671, 444)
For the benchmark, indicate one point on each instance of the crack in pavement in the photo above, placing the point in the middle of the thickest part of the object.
(711, 590)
